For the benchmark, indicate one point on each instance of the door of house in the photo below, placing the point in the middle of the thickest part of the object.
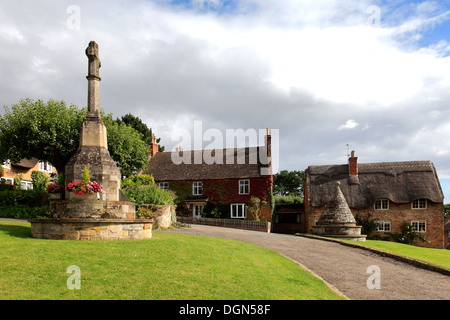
(197, 211)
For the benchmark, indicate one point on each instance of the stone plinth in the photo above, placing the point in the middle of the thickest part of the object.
(90, 207)
(91, 229)
(102, 169)
(350, 232)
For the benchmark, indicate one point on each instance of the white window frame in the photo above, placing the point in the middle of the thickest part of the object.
(244, 186)
(419, 204)
(45, 166)
(6, 164)
(384, 225)
(234, 211)
(26, 185)
(163, 185)
(382, 205)
(197, 188)
(197, 210)
(11, 180)
(419, 225)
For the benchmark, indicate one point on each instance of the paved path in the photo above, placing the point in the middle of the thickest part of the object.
(343, 267)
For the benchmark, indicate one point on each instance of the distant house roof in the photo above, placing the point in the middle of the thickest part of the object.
(27, 163)
(400, 182)
(242, 163)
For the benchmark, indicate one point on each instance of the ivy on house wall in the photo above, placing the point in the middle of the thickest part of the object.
(222, 193)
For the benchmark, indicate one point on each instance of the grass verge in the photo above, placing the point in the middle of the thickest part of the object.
(166, 267)
(435, 257)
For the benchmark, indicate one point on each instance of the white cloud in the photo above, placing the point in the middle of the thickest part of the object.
(349, 124)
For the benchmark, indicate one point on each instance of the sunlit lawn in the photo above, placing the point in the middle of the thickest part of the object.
(437, 257)
(168, 266)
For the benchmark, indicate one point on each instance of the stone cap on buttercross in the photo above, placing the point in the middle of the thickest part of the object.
(94, 60)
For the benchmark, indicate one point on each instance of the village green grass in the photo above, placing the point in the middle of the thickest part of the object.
(436, 257)
(166, 267)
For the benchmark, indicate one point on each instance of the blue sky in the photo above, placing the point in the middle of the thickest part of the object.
(316, 70)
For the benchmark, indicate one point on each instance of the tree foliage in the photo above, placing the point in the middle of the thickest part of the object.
(126, 146)
(140, 126)
(289, 183)
(50, 131)
(47, 131)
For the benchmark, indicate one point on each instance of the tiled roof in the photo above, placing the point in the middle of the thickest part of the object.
(242, 163)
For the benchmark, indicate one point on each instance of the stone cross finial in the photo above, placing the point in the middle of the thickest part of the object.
(94, 60)
(93, 80)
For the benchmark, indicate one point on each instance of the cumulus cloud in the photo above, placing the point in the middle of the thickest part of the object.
(349, 124)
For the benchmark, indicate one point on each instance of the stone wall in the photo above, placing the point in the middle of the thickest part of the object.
(91, 229)
(162, 215)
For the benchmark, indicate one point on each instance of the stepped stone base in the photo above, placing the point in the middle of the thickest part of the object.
(91, 229)
(350, 232)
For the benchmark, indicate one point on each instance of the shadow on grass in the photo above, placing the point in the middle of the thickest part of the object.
(16, 231)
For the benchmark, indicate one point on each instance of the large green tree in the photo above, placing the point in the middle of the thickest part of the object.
(50, 131)
(289, 183)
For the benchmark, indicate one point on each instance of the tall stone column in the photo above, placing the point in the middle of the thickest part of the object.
(93, 151)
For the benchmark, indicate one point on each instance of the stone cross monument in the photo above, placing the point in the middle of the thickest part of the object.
(93, 80)
(93, 147)
(88, 216)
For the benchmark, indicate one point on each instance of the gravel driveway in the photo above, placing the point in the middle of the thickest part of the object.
(343, 268)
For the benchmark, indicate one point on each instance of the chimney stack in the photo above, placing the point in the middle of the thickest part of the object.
(353, 169)
(154, 147)
(268, 143)
(353, 164)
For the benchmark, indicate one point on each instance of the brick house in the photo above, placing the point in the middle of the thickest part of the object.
(220, 189)
(390, 193)
(25, 167)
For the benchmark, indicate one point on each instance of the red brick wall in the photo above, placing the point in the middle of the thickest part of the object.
(226, 192)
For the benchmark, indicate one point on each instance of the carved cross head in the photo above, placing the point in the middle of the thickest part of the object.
(92, 52)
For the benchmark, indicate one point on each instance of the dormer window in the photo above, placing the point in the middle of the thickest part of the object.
(382, 204)
(45, 166)
(419, 204)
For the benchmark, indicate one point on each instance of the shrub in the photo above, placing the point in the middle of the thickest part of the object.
(407, 235)
(138, 179)
(24, 212)
(32, 198)
(40, 180)
(286, 200)
(149, 194)
(86, 178)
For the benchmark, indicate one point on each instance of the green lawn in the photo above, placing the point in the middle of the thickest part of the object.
(168, 266)
(437, 257)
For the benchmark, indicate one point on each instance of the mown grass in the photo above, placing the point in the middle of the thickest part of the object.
(166, 267)
(437, 257)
